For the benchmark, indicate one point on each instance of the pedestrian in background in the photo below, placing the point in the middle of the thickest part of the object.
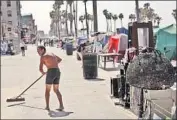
(22, 46)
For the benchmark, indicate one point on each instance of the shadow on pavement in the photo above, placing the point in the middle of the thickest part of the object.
(110, 69)
(97, 79)
(22, 104)
(32, 107)
(58, 113)
(16, 104)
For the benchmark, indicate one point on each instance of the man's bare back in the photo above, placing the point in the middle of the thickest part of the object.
(50, 60)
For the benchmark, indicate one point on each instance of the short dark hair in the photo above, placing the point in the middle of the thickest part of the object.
(42, 48)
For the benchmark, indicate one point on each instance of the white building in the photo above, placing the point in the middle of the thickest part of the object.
(11, 22)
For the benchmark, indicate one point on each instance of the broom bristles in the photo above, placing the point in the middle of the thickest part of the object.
(15, 99)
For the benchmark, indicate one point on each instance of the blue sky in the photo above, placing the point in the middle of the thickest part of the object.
(41, 9)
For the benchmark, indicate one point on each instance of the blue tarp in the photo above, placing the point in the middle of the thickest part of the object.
(105, 40)
(80, 39)
(123, 30)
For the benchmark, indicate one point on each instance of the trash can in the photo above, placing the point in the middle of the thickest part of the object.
(90, 70)
(69, 48)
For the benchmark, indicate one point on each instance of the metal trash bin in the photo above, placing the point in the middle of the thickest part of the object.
(69, 48)
(90, 70)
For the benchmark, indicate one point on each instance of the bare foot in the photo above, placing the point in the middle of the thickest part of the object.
(60, 109)
(47, 108)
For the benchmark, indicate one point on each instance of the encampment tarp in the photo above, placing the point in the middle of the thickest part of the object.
(166, 38)
(123, 30)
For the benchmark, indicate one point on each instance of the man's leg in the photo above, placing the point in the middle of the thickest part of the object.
(47, 95)
(59, 96)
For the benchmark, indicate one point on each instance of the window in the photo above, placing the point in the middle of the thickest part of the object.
(8, 3)
(9, 13)
(9, 29)
(10, 22)
(0, 13)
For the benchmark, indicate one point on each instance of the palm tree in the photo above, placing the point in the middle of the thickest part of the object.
(75, 17)
(105, 13)
(88, 19)
(65, 17)
(115, 17)
(110, 21)
(154, 19)
(66, 20)
(147, 13)
(81, 19)
(174, 13)
(56, 7)
(70, 2)
(91, 18)
(87, 26)
(53, 22)
(158, 20)
(121, 16)
(137, 10)
(71, 18)
(147, 5)
(132, 17)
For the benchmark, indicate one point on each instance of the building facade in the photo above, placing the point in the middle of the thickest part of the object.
(11, 22)
(28, 23)
(40, 33)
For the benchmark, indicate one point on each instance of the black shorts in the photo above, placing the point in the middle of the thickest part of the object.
(53, 76)
(22, 48)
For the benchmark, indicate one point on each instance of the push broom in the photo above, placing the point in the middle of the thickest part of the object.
(19, 98)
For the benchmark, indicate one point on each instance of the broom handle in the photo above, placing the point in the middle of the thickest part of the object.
(30, 86)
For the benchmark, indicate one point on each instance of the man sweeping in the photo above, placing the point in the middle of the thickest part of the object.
(51, 61)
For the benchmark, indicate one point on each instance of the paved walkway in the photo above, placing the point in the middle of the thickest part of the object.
(82, 98)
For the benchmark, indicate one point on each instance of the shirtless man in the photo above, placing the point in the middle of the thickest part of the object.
(51, 61)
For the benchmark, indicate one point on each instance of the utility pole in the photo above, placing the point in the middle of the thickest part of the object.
(95, 15)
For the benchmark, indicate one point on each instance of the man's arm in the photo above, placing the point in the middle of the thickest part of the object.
(41, 66)
(58, 59)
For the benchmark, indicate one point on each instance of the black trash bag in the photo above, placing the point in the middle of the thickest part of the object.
(150, 70)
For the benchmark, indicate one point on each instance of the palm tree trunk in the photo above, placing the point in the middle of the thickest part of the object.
(66, 21)
(59, 23)
(137, 10)
(107, 27)
(76, 18)
(83, 27)
(110, 25)
(95, 15)
(71, 22)
(121, 23)
(85, 3)
(114, 25)
(91, 29)
(59, 30)
(75, 26)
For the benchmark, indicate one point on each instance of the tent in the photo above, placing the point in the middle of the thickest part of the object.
(166, 39)
(123, 30)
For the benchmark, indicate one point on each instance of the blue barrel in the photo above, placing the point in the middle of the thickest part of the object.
(69, 48)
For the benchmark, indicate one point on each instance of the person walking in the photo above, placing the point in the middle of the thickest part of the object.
(22, 46)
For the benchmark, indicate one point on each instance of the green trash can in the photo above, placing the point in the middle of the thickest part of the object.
(90, 70)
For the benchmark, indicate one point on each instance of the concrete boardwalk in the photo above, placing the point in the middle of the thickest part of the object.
(82, 98)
